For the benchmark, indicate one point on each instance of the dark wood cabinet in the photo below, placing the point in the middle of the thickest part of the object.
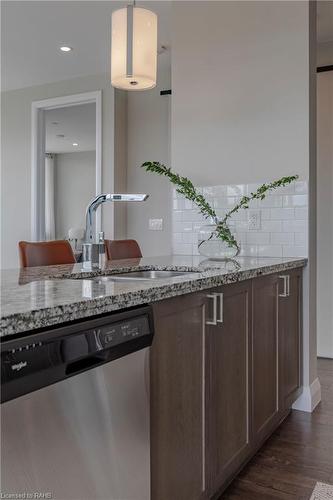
(265, 369)
(229, 375)
(290, 336)
(178, 399)
(225, 369)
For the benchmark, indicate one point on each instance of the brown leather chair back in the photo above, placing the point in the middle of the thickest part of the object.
(45, 253)
(122, 249)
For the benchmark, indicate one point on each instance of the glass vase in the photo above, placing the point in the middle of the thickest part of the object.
(213, 247)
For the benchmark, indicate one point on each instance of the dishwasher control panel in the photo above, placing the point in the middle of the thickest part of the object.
(123, 331)
(39, 360)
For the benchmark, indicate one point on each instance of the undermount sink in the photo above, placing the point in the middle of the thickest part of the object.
(140, 276)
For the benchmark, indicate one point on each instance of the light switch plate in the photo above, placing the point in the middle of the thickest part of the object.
(254, 220)
(156, 224)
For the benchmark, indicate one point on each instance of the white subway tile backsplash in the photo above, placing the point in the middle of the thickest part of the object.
(271, 201)
(271, 226)
(197, 226)
(225, 202)
(208, 190)
(177, 215)
(295, 251)
(195, 250)
(257, 238)
(282, 238)
(182, 227)
(252, 188)
(301, 213)
(301, 239)
(282, 230)
(254, 204)
(220, 212)
(290, 189)
(282, 213)
(269, 250)
(301, 187)
(188, 205)
(265, 213)
(219, 191)
(189, 238)
(295, 200)
(241, 238)
(237, 190)
(241, 215)
(241, 225)
(182, 249)
(248, 251)
(192, 216)
(295, 226)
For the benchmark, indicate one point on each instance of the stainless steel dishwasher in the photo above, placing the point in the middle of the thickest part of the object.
(75, 412)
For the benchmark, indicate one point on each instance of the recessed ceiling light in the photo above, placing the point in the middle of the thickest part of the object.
(75, 143)
(66, 48)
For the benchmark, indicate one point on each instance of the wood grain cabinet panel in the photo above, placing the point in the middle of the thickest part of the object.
(225, 368)
(290, 336)
(229, 400)
(178, 398)
(265, 399)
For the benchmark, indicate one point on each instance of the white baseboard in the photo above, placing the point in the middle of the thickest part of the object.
(310, 397)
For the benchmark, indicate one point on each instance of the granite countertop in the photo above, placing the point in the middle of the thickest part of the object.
(38, 297)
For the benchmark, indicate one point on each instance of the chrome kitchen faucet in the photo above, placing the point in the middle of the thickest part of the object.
(92, 248)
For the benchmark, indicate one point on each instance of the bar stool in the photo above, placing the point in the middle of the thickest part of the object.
(122, 249)
(45, 253)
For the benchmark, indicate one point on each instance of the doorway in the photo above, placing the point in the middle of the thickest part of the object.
(66, 164)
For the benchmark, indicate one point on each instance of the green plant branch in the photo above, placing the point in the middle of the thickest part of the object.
(186, 188)
(260, 194)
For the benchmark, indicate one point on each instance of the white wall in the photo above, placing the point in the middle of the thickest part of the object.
(243, 111)
(240, 90)
(120, 162)
(149, 139)
(16, 157)
(74, 181)
(325, 214)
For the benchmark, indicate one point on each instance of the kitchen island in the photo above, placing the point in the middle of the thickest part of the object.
(39, 297)
(226, 356)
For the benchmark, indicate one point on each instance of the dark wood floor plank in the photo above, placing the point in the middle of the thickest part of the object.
(297, 455)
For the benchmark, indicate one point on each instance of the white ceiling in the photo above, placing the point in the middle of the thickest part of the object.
(325, 21)
(33, 31)
(76, 123)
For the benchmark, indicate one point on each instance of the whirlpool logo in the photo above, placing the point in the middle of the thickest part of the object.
(19, 366)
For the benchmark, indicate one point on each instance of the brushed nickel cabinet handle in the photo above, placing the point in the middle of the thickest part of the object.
(213, 296)
(220, 296)
(285, 286)
(288, 285)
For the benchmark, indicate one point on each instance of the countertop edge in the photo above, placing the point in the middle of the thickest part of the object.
(18, 323)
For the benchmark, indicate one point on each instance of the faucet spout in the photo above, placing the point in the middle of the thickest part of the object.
(97, 201)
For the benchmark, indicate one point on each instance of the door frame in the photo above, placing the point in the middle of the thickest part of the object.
(38, 109)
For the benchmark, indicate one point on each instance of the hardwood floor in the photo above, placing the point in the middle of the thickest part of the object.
(297, 455)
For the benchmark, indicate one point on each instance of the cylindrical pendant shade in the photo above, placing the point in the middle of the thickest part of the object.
(134, 48)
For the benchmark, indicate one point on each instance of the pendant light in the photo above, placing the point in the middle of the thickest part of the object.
(133, 48)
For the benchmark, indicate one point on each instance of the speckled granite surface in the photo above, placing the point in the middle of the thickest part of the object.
(38, 297)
